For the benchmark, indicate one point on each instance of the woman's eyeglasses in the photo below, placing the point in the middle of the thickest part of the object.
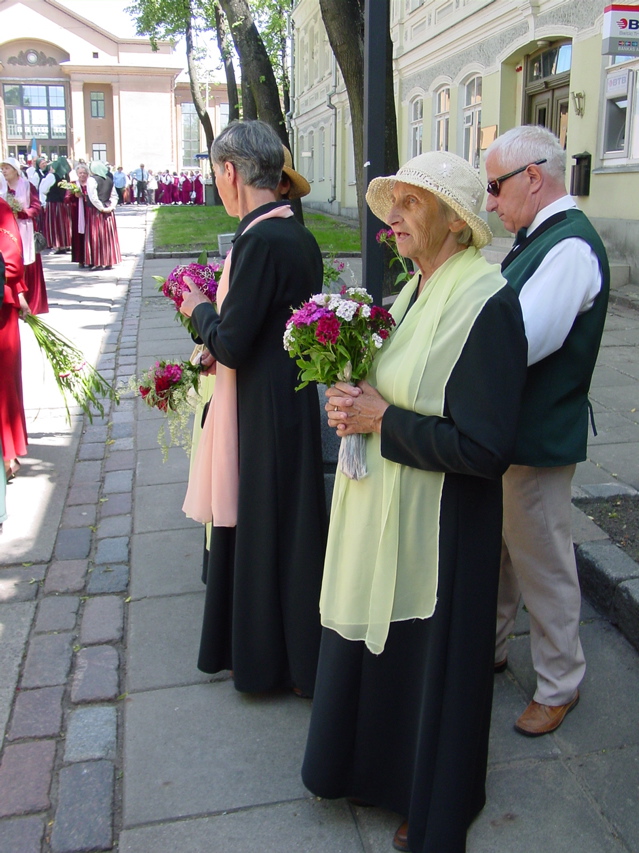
(493, 187)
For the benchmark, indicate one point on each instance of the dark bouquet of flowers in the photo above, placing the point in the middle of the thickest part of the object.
(172, 388)
(334, 337)
(204, 275)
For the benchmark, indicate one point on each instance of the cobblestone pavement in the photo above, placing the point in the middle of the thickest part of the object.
(112, 739)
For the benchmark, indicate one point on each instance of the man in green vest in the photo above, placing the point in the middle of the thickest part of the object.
(558, 266)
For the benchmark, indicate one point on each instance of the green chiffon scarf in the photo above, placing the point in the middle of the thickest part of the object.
(383, 546)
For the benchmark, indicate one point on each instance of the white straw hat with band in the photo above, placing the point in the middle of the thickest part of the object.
(447, 176)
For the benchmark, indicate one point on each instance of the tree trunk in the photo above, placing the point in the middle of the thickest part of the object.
(249, 107)
(256, 65)
(229, 69)
(196, 92)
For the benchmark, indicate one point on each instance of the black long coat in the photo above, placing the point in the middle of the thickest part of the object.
(264, 577)
(407, 730)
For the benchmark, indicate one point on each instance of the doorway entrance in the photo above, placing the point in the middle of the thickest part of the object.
(547, 89)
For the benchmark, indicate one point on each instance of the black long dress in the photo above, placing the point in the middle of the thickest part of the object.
(407, 730)
(263, 581)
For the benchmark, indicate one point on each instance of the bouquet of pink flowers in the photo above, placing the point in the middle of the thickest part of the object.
(334, 337)
(204, 275)
(172, 388)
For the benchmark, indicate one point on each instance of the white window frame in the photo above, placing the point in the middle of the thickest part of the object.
(416, 126)
(471, 121)
(442, 117)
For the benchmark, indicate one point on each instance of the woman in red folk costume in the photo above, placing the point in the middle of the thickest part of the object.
(198, 188)
(25, 197)
(102, 246)
(185, 189)
(77, 203)
(57, 218)
(13, 427)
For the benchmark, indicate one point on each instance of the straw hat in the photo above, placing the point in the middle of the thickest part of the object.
(445, 175)
(299, 185)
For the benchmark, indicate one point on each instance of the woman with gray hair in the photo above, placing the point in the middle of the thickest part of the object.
(403, 697)
(257, 472)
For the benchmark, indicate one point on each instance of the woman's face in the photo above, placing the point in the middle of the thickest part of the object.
(82, 174)
(10, 174)
(421, 229)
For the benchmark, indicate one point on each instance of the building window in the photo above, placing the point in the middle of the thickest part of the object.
(310, 170)
(97, 104)
(472, 120)
(224, 115)
(190, 134)
(416, 126)
(98, 151)
(621, 114)
(442, 118)
(34, 111)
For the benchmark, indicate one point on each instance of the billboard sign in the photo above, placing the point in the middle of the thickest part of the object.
(621, 30)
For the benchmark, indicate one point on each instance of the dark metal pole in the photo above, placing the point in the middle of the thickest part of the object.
(376, 18)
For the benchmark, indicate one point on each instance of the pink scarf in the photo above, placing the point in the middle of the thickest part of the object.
(212, 493)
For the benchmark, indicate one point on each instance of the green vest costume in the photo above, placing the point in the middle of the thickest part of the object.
(553, 423)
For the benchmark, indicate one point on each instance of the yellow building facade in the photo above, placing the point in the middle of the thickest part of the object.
(466, 71)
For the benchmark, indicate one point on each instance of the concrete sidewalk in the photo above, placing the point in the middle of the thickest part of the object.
(114, 739)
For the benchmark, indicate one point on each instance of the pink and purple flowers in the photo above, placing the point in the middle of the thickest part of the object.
(334, 336)
(204, 276)
(165, 385)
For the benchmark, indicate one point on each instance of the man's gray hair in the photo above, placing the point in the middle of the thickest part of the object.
(254, 149)
(523, 145)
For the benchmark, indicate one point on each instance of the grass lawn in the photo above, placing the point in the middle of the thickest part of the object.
(196, 227)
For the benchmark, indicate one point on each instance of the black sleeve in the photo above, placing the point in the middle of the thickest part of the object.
(230, 335)
(477, 433)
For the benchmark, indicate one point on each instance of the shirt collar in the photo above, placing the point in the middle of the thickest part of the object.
(566, 202)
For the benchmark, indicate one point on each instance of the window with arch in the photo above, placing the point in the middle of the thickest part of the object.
(416, 127)
(310, 147)
(321, 154)
(472, 120)
(442, 118)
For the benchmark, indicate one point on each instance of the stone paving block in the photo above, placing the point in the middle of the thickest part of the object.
(82, 515)
(96, 675)
(584, 528)
(162, 642)
(102, 621)
(625, 610)
(37, 713)
(308, 825)
(609, 490)
(122, 444)
(73, 543)
(108, 578)
(25, 777)
(21, 835)
(124, 416)
(66, 576)
(48, 660)
(95, 433)
(602, 567)
(85, 493)
(152, 470)
(166, 563)
(123, 429)
(119, 504)
(112, 550)
(160, 509)
(91, 734)
(57, 613)
(250, 755)
(85, 473)
(115, 525)
(118, 481)
(88, 452)
(21, 584)
(16, 619)
(538, 807)
(120, 460)
(85, 801)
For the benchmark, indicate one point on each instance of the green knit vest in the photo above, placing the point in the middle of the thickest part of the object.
(553, 423)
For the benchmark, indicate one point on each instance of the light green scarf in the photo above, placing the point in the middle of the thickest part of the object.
(383, 545)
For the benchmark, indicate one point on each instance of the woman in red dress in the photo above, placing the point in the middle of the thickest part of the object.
(26, 196)
(13, 426)
(57, 219)
(77, 206)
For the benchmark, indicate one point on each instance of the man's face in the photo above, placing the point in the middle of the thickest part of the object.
(514, 205)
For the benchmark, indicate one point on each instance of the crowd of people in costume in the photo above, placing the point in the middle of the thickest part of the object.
(144, 186)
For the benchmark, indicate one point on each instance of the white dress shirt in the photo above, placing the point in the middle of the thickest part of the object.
(564, 285)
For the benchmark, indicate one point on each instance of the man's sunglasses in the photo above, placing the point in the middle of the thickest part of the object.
(493, 187)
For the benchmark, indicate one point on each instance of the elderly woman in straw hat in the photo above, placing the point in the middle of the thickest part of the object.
(404, 685)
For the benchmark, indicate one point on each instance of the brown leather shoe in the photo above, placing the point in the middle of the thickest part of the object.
(541, 719)
(400, 839)
(501, 665)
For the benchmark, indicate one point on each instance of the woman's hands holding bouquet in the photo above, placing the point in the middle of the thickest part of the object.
(355, 408)
(192, 298)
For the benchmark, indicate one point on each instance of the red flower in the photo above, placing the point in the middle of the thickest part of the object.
(328, 330)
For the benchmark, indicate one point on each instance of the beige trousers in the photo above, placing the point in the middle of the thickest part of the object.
(538, 564)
